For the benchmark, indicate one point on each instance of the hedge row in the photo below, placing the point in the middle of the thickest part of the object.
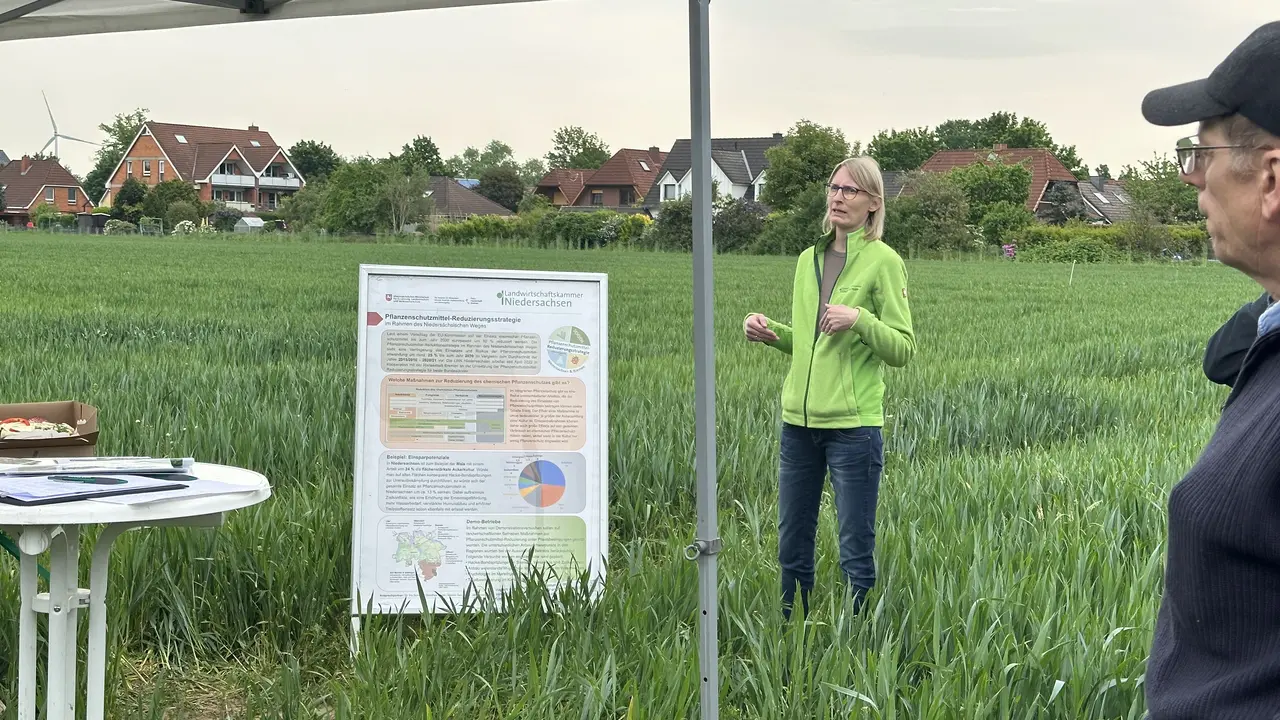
(561, 230)
(1121, 242)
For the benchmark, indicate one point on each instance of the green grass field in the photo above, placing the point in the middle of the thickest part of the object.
(1030, 451)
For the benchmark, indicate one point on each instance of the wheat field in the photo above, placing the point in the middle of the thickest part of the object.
(1030, 448)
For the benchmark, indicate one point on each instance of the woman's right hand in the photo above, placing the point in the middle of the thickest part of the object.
(757, 329)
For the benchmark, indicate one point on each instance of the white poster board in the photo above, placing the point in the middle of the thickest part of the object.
(481, 433)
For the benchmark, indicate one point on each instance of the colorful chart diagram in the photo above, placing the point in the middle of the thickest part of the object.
(542, 483)
(568, 349)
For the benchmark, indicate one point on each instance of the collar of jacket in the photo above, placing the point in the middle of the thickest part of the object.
(856, 241)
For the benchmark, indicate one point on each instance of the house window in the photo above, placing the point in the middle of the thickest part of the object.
(71, 196)
(627, 196)
(146, 168)
(668, 192)
(181, 138)
(161, 171)
(644, 165)
(128, 169)
(1102, 198)
(227, 169)
(597, 197)
(48, 195)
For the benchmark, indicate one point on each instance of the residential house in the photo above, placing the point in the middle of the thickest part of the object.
(619, 183)
(245, 169)
(738, 167)
(563, 186)
(452, 201)
(28, 183)
(623, 180)
(1045, 167)
(1106, 200)
(893, 183)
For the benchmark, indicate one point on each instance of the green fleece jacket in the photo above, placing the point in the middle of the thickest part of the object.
(837, 381)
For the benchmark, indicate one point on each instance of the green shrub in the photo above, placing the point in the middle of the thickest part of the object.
(181, 210)
(673, 230)
(737, 225)
(790, 232)
(1004, 217)
(575, 230)
(119, 227)
(1079, 249)
(482, 229)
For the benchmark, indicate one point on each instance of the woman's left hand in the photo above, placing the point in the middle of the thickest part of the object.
(837, 318)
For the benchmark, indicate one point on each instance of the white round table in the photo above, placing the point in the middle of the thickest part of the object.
(57, 527)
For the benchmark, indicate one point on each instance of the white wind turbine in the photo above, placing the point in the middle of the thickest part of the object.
(56, 135)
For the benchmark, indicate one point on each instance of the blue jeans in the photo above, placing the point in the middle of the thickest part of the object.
(855, 459)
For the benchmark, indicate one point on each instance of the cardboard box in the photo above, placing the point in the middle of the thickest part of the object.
(78, 415)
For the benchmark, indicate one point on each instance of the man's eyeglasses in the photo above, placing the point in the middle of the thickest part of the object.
(1189, 151)
(848, 192)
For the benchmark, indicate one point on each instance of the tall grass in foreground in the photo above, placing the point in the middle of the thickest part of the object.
(1030, 449)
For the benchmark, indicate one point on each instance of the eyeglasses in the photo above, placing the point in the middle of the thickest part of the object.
(848, 192)
(1189, 150)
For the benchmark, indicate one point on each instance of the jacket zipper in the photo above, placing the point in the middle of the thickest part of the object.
(817, 276)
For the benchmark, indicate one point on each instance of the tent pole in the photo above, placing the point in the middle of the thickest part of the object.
(706, 545)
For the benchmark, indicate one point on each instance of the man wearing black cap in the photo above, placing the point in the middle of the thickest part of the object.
(1216, 651)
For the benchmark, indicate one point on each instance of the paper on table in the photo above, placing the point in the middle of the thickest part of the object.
(48, 487)
(194, 489)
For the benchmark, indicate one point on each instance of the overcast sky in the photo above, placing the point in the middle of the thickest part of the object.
(465, 76)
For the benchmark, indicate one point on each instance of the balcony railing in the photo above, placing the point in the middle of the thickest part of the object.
(241, 206)
(279, 182)
(247, 181)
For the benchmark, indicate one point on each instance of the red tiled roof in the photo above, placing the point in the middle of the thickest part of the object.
(194, 159)
(22, 190)
(624, 169)
(570, 182)
(1043, 164)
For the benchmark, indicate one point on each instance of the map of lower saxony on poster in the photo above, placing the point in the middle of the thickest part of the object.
(481, 433)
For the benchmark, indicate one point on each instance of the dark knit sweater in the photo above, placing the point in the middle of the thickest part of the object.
(1216, 652)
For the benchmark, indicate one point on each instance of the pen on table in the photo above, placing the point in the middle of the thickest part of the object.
(89, 480)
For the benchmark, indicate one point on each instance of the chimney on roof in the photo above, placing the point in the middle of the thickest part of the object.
(653, 150)
(1001, 146)
(1099, 182)
(26, 164)
(253, 128)
(777, 136)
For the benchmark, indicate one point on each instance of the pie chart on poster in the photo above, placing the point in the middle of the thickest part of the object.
(542, 483)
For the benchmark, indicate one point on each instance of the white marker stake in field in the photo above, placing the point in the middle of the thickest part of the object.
(481, 434)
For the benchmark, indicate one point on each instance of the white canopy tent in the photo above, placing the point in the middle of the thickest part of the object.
(27, 19)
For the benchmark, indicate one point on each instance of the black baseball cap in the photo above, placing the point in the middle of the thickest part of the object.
(1247, 83)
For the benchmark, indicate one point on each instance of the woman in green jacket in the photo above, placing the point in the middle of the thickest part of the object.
(849, 319)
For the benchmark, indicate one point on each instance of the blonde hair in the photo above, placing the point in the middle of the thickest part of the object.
(866, 172)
